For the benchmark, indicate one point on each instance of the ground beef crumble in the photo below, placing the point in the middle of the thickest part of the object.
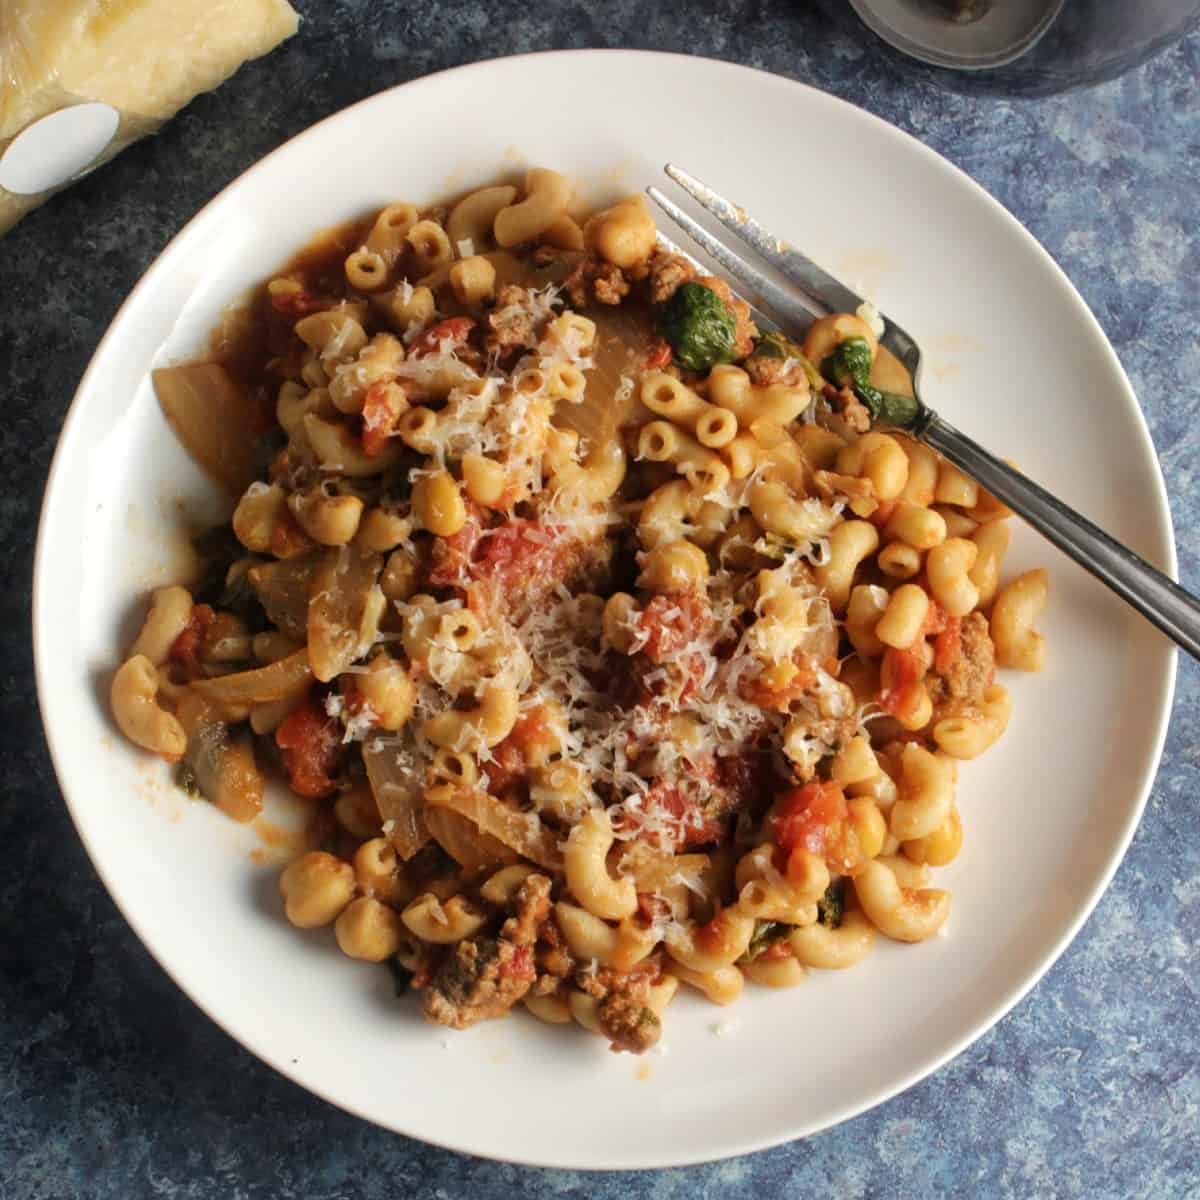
(829, 485)
(623, 1004)
(853, 411)
(668, 273)
(595, 279)
(765, 370)
(533, 906)
(511, 325)
(960, 689)
(553, 959)
(484, 977)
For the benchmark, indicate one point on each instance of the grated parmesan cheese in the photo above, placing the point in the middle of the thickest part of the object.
(867, 312)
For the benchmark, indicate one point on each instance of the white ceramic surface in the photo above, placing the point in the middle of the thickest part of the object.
(1015, 359)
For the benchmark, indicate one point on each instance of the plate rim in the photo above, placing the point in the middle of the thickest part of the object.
(1166, 553)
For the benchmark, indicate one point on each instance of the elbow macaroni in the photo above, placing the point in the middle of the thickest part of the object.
(1017, 605)
(902, 914)
(926, 793)
(587, 874)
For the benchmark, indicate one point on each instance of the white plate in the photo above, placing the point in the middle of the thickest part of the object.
(1015, 358)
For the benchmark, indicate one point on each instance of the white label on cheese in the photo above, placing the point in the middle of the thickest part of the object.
(52, 151)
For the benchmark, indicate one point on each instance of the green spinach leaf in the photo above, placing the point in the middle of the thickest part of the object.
(850, 366)
(699, 326)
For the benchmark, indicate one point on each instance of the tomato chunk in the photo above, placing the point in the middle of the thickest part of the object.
(521, 549)
(651, 907)
(936, 617)
(185, 649)
(776, 951)
(453, 329)
(904, 669)
(311, 746)
(673, 817)
(379, 414)
(659, 354)
(507, 767)
(509, 764)
(670, 623)
(807, 816)
(947, 646)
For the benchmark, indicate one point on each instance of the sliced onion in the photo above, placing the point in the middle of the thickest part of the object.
(283, 590)
(213, 417)
(463, 840)
(397, 790)
(522, 832)
(276, 681)
(224, 767)
(339, 609)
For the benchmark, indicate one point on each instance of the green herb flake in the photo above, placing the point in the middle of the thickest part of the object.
(832, 905)
(765, 933)
(649, 1017)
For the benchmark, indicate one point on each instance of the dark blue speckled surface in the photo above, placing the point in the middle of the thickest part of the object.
(113, 1086)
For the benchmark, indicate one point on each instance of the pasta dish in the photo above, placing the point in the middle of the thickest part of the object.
(612, 643)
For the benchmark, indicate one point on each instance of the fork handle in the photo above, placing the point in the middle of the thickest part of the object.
(1160, 600)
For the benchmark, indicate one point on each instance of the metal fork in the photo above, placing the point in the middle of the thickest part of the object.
(1159, 599)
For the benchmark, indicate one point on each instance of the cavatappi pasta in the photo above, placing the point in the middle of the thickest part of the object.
(611, 645)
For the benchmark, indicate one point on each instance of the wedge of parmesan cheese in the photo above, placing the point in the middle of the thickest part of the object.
(144, 58)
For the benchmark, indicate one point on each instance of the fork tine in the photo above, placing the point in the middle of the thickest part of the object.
(789, 308)
(819, 285)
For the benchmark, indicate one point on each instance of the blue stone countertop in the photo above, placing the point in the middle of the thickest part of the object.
(114, 1086)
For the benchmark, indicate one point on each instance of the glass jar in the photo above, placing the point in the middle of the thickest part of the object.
(1017, 47)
